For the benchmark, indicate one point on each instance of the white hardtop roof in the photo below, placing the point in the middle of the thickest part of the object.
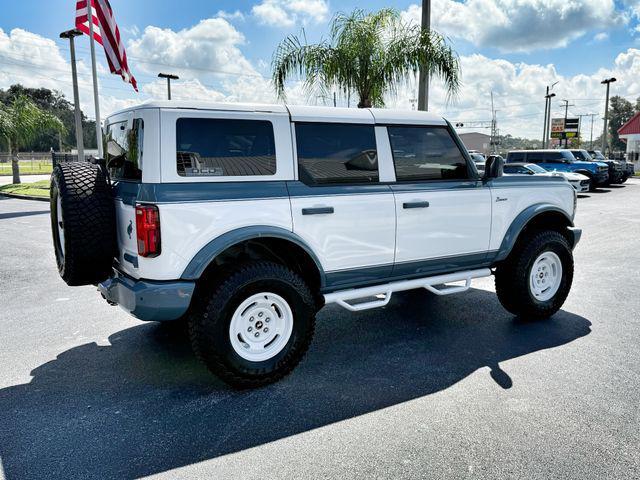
(304, 113)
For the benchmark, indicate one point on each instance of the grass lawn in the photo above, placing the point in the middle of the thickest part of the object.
(36, 189)
(28, 168)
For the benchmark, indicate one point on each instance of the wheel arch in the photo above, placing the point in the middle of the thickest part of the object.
(536, 216)
(279, 241)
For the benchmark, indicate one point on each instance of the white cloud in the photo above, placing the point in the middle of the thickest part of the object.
(519, 25)
(211, 47)
(519, 92)
(286, 13)
(235, 15)
(600, 37)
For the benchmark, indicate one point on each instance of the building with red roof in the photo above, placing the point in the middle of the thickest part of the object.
(630, 133)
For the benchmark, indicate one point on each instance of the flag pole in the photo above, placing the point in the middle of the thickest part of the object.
(95, 78)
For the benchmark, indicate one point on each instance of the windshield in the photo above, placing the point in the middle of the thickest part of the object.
(476, 157)
(597, 155)
(536, 168)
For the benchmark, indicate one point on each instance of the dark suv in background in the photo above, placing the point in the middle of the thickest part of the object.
(616, 169)
(628, 169)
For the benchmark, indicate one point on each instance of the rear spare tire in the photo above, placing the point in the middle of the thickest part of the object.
(82, 223)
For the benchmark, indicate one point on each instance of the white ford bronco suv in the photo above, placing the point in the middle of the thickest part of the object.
(244, 220)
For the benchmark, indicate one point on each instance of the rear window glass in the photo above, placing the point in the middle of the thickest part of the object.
(333, 153)
(224, 147)
(123, 150)
(426, 153)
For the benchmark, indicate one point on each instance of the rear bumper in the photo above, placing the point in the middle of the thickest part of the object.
(574, 234)
(148, 300)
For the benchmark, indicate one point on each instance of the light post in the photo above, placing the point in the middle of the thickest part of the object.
(605, 140)
(423, 78)
(70, 34)
(547, 116)
(169, 77)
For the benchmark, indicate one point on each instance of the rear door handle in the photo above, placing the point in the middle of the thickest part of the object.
(415, 204)
(317, 211)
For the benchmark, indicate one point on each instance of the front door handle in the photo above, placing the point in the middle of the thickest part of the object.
(317, 211)
(424, 204)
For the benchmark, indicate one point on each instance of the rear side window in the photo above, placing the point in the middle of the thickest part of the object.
(426, 153)
(515, 157)
(123, 150)
(224, 147)
(333, 153)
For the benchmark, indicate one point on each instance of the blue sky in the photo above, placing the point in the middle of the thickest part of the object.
(222, 50)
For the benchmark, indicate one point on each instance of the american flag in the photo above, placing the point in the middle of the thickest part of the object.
(107, 34)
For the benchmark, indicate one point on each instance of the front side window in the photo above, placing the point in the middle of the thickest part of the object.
(123, 150)
(334, 153)
(554, 157)
(426, 153)
(207, 147)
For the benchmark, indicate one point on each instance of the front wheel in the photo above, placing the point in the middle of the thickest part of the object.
(256, 326)
(536, 278)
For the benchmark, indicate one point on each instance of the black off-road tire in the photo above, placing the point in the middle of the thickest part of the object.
(512, 275)
(211, 314)
(89, 223)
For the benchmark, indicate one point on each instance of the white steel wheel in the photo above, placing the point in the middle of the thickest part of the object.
(545, 276)
(261, 327)
(60, 224)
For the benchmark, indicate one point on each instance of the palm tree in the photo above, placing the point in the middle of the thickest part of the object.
(20, 122)
(368, 54)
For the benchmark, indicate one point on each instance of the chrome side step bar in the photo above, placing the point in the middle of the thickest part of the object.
(383, 292)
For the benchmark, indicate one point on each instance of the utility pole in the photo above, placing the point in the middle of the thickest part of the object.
(423, 79)
(70, 34)
(580, 126)
(605, 140)
(566, 112)
(591, 141)
(169, 77)
(494, 127)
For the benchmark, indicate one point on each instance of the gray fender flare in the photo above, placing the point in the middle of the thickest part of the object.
(521, 221)
(209, 252)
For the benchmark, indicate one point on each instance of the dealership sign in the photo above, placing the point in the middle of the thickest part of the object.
(565, 128)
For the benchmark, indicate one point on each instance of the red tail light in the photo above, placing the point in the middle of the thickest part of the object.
(148, 230)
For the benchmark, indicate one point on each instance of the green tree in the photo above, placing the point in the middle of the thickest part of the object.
(20, 122)
(368, 54)
(620, 111)
(56, 104)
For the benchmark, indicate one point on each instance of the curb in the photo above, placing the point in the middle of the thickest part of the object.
(24, 197)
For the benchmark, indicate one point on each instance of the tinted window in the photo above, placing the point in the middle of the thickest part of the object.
(536, 157)
(223, 147)
(515, 157)
(123, 150)
(582, 155)
(426, 153)
(330, 153)
(554, 157)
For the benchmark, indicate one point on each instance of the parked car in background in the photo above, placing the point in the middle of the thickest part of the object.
(563, 161)
(628, 169)
(579, 182)
(479, 161)
(616, 168)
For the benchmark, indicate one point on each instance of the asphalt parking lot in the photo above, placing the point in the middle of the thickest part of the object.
(428, 387)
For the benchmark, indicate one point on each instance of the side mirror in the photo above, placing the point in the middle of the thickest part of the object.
(494, 167)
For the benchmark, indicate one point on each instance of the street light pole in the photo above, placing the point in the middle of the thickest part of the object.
(70, 34)
(605, 140)
(544, 122)
(547, 117)
(423, 79)
(169, 77)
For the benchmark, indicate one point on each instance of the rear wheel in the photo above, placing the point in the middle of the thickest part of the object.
(255, 326)
(82, 223)
(536, 278)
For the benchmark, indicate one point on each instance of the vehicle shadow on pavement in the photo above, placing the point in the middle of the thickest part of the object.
(4, 216)
(144, 405)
